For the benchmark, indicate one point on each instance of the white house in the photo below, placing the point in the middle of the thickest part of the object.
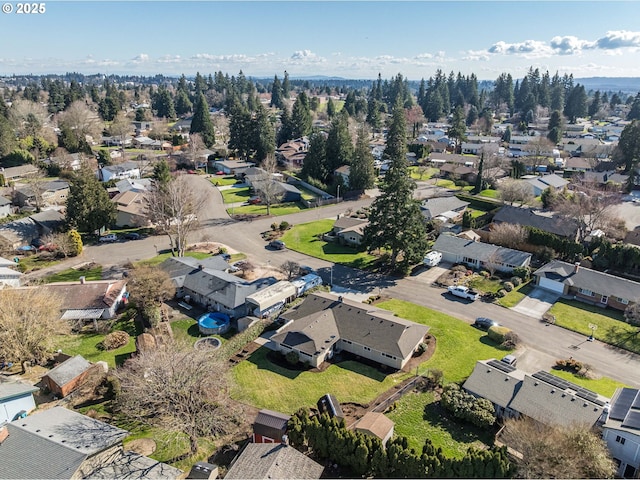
(621, 431)
(16, 399)
(120, 171)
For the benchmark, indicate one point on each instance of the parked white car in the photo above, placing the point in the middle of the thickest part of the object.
(432, 259)
(110, 237)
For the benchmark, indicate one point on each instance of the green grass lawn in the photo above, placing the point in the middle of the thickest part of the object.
(485, 285)
(31, 263)
(158, 259)
(611, 328)
(419, 416)
(235, 195)
(512, 298)
(277, 210)
(422, 173)
(604, 386)
(222, 181)
(71, 275)
(304, 238)
(447, 184)
(186, 330)
(490, 193)
(306, 193)
(475, 213)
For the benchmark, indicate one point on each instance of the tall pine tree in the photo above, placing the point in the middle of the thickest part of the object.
(201, 122)
(362, 172)
(396, 223)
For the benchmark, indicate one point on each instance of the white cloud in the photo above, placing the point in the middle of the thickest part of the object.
(570, 45)
(302, 54)
(142, 58)
(619, 39)
(528, 48)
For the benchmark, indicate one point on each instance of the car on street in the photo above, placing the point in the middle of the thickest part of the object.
(132, 236)
(463, 292)
(277, 244)
(484, 323)
(254, 200)
(108, 238)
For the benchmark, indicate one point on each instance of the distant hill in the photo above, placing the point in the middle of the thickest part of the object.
(629, 85)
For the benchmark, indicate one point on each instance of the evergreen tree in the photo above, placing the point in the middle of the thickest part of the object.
(264, 134)
(331, 108)
(285, 132)
(396, 223)
(555, 127)
(277, 99)
(315, 162)
(458, 128)
(596, 104)
(162, 103)
(240, 130)
(161, 173)
(89, 207)
(201, 122)
(339, 146)
(182, 104)
(286, 86)
(576, 104)
(301, 116)
(628, 150)
(634, 111)
(479, 186)
(362, 171)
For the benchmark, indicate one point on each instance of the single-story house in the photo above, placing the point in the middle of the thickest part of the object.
(588, 285)
(343, 173)
(579, 164)
(449, 208)
(541, 183)
(230, 166)
(16, 399)
(377, 425)
(51, 193)
(350, 230)
(137, 185)
(479, 255)
(5, 207)
(283, 192)
(324, 324)
(131, 209)
(344, 222)
(606, 178)
(269, 426)
(88, 300)
(541, 396)
(462, 172)
(621, 431)
(67, 376)
(272, 460)
(547, 222)
(11, 174)
(119, 171)
(63, 444)
(69, 161)
(25, 230)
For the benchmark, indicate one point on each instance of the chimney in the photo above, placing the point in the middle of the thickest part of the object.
(4, 433)
(576, 267)
(285, 440)
(83, 279)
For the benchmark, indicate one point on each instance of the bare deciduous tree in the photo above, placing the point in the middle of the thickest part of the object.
(149, 287)
(120, 128)
(508, 235)
(195, 147)
(290, 269)
(81, 120)
(270, 190)
(515, 191)
(174, 209)
(29, 319)
(28, 118)
(183, 391)
(557, 452)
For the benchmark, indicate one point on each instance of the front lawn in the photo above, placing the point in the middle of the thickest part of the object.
(604, 386)
(277, 210)
(611, 327)
(515, 296)
(485, 285)
(235, 195)
(222, 181)
(489, 193)
(419, 416)
(158, 259)
(31, 263)
(306, 238)
(72, 275)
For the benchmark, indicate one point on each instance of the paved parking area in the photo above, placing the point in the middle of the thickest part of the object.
(430, 274)
(536, 303)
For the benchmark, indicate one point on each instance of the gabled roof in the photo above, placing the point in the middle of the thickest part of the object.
(217, 284)
(68, 370)
(432, 207)
(273, 460)
(479, 251)
(323, 319)
(10, 389)
(122, 167)
(597, 282)
(272, 419)
(499, 386)
(565, 227)
(545, 181)
(130, 466)
(348, 222)
(91, 294)
(375, 423)
(178, 267)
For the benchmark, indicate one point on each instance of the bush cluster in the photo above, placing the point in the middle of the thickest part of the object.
(570, 364)
(517, 281)
(115, 340)
(508, 286)
(463, 405)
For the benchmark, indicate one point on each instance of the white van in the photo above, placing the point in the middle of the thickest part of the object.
(432, 259)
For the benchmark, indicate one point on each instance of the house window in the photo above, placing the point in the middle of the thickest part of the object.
(620, 439)
(623, 301)
(586, 292)
(604, 299)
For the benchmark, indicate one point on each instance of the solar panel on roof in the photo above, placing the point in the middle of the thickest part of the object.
(552, 380)
(636, 402)
(506, 368)
(632, 420)
(621, 405)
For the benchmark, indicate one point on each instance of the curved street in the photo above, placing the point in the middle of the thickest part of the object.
(543, 343)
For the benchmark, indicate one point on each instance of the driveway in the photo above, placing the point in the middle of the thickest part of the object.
(536, 303)
(429, 275)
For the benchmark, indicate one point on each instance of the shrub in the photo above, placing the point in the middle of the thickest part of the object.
(522, 272)
(284, 225)
(517, 281)
(508, 286)
(501, 293)
(571, 365)
(422, 347)
(498, 333)
(292, 357)
(485, 274)
(463, 405)
(511, 341)
(459, 268)
(115, 340)
(75, 243)
(274, 226)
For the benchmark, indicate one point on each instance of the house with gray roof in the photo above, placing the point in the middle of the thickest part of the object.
(50, 193)
(621, 431)
(178, 267)
(587, 285)
(545, 221)
(119, 171)
(325, 324)
(6, 208)
(25, 230)
(446, 208)
(541, 183)
(58, 443)
(541, 396)
(16, 399)
(479, 255)
(279, 191)
(272, 460)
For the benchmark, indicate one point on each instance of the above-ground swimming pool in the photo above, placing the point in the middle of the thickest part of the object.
(213, 322)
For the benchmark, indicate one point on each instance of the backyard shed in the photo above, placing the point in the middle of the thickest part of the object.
(269, 426)
(67, 376)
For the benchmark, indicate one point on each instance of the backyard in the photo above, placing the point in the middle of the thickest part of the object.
(307, 238)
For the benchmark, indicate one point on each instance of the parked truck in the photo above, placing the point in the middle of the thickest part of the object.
(463, 292)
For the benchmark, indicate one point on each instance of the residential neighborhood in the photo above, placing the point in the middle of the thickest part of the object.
(229, 277)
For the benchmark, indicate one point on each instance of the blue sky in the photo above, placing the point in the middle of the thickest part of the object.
(346, 39)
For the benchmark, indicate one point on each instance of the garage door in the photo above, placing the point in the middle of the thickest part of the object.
(552, 285)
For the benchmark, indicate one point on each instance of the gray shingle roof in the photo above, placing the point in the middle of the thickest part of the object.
(10, 389)
(130, 465)
(178, 267)
(527, 217)
(432, 207)
(479, 251)
(493, 384)
(68, 370)
(223, 287)
(597, 282)
(273, 460)
(272, 419)
(321, 320)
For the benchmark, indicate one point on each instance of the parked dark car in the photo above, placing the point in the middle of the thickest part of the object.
(484, 323)
(277, 244)
(132, 236)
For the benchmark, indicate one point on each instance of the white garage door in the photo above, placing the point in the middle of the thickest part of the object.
(551, 285)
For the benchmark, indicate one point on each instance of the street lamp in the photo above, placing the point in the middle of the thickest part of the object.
(593, 328)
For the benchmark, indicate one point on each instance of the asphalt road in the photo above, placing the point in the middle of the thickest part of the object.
(550, 341)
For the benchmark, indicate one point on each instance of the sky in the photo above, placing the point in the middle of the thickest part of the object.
(355, 40)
